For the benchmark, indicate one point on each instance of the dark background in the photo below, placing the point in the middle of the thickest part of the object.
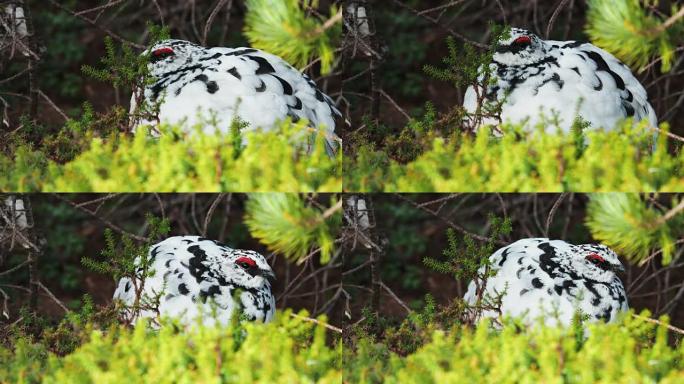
(414, 226)
(73, 227)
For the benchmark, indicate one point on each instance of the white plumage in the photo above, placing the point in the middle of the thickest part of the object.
(195, 277)
(539, 276)
(199, 84)
(561, 79)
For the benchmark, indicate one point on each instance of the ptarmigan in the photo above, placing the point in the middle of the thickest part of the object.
(567, 78)
(197, 277)
(199, 83)
(539, 275)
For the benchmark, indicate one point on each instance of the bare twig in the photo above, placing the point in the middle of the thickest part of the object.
(655, 321)
(212, 16)
(53, 105)
(395, 297)
(96, 25)
(330, 327)
(53, 297)
(555, 14)
(108, 223)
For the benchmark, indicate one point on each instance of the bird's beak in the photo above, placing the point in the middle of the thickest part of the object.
(618, 268)
(267, 274)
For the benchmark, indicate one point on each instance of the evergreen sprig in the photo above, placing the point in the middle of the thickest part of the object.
(635, 227)
(633, 32)
(288, 225)
(465, 256)
(288, 29)
(123, 257)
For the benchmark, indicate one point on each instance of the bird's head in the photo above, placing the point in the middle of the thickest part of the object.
(249, 269)
(598, 262)
(169, 55)
(520, 47)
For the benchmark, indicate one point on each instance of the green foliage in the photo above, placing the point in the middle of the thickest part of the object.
(632, 349)
(464, 263)
(123, 256)
(287, 350)
(635, 227)
(123, 67)
(176, 161)
(633, 32)
(288, 225)
(463, 66)
(621, 159)
(288, 29)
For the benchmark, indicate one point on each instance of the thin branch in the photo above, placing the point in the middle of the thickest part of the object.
(394, 103)
(552, 213)
(667, 24)
(108, 223)
(53, 297)
(655, 321)
(395, 297)
(212, 16)
(552, 20)
(670, 214)
(210, 213)
(330, 327)
(53, 105)
(96, 25)
(437, 23)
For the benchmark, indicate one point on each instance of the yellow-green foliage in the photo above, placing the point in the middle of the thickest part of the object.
(271, 161)
(289, 29)
(538, 162)
(633, 32)
(288, 225)
(287, 350)
(632, 350)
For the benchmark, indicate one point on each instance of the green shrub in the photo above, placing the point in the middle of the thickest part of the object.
(287, 350)
(272, 161)
(633, 350)
(290, 30)
(536, 162)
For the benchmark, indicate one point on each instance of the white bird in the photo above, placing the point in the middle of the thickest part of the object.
(198, 84)
(560, 79)
(549, 278)
(195, 277)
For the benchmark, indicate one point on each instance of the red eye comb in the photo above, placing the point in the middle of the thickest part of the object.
(523, 40)
(162, 51)
(246, 260)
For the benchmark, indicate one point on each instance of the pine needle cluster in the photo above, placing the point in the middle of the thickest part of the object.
(633, 32)
(290, 225)
(636, 226)
(289, 29)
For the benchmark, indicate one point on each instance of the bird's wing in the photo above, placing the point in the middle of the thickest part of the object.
(601, 71)
(269, 85)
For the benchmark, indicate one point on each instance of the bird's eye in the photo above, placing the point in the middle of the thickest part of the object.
(596, 259)
(523, 40)
(245, 262)
(161, 53)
